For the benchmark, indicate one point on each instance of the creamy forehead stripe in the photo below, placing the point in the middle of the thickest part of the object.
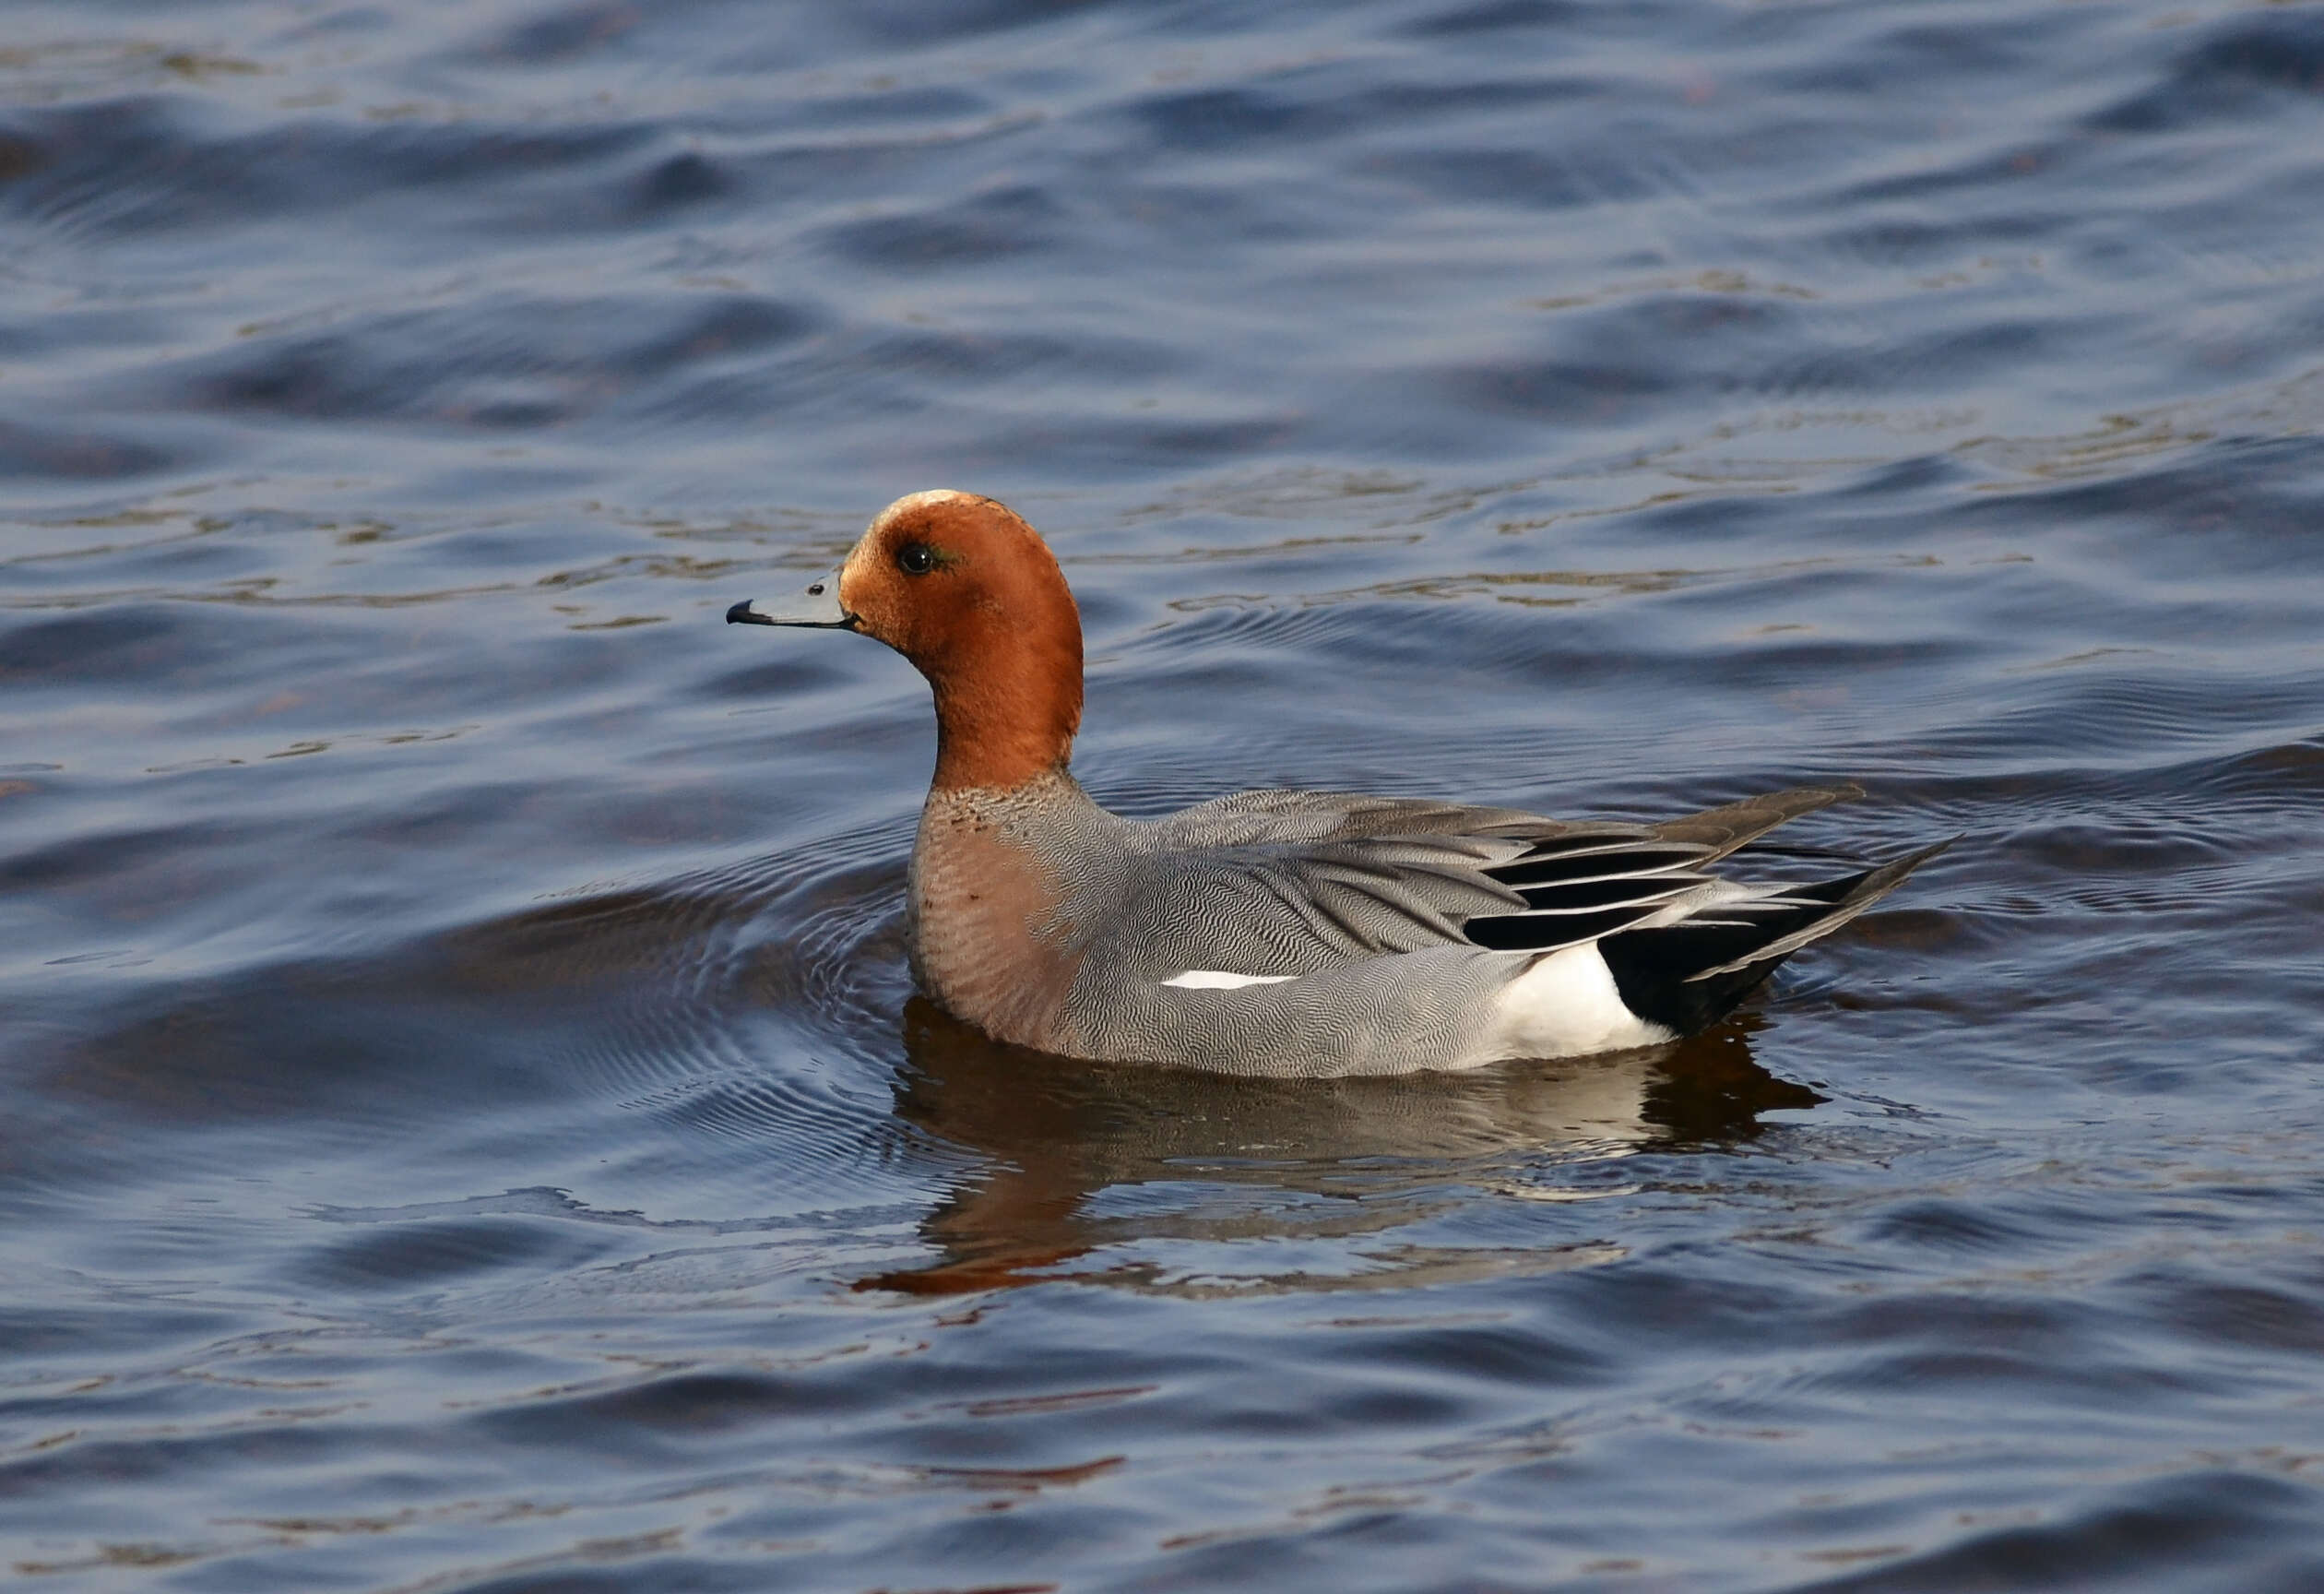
(910, 501)
(1216, 980)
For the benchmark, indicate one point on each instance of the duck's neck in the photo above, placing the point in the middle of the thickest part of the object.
(1009, 720)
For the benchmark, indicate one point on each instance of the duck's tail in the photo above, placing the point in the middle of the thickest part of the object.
(1691, 973)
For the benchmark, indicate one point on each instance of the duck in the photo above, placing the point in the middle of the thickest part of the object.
(1284, 933)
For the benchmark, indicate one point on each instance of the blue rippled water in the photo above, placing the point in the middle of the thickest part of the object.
(465, 1123)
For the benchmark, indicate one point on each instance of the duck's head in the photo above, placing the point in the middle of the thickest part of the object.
(969, 593)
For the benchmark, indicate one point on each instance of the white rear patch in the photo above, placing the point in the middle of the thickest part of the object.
(1213, 980)
(1566, 1004)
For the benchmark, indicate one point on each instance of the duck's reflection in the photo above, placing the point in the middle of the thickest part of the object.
(1311, 1158)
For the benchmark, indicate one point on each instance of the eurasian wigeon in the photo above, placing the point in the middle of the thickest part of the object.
(1275, 933)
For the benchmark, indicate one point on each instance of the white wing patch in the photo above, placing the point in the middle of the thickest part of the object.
(1215, 980)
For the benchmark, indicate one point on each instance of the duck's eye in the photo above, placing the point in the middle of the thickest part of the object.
(916, 558)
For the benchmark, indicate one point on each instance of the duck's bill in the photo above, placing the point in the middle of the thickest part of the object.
(819, 605)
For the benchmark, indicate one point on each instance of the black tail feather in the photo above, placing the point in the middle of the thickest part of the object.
(1690, 974)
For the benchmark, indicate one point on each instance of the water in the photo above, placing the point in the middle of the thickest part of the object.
(464, 1123)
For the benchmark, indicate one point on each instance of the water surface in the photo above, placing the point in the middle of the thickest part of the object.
(464, 1120)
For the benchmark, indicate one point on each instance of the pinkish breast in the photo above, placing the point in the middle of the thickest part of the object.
(982, 906)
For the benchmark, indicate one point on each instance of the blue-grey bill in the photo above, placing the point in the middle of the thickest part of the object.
(818, 605)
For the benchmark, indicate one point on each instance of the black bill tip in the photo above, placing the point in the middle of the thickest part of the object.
(818, 606)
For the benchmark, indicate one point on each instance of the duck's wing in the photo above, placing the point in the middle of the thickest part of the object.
(1738, 824)
(1275, 819)
(1268, 885)
(1585, 885)
(1270, 816)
